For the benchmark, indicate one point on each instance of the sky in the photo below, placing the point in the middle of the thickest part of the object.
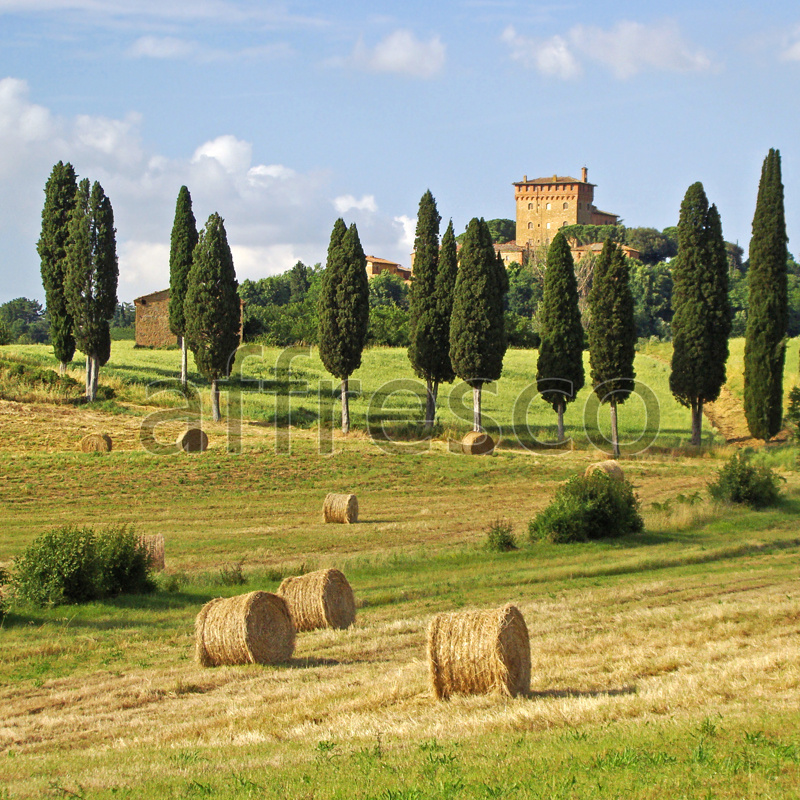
(283, 116)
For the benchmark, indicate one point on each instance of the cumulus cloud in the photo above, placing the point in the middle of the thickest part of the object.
(402, 53)
(172, 48)
(626, 50)
(347, 202)
(274, 215)
(166, 47)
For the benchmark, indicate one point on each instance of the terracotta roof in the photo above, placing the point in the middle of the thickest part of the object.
(552, 179)
(511, 246)
(377, 260)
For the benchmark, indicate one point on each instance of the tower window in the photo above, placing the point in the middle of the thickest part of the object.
(565, 206)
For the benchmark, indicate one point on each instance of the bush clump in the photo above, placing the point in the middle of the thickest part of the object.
(75, 565)
(499, 536)
(588, 507)
(741, 481)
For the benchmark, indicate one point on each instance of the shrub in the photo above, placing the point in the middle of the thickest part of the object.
(499, 536)
(74, 565)
(792, 416)
(588, 507)
(741, 481)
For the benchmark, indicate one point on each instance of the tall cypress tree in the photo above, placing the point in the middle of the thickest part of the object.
(612, 332)
(701, 321)
(559, 369)
(59, 198)
(91, 276)
(477, 326)
(429, 345)
(212, 311)
(343, 309)
(182, 243)
(767, 316)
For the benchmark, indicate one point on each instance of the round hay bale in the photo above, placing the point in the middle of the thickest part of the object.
(96, 443)
(340, 508)
(610, 467)
(253, 628)
(193, 440)
(477, 652)
(321, 599)
(153, 543)
(477, 443)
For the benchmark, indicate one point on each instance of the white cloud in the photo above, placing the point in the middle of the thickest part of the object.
(347, 202)
(408, 228)
(402, 53)
(231, 153)
(791, 51)
(161, 47)
(626, 50)
(274, 215)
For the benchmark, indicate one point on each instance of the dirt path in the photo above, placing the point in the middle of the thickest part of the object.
(726, 415)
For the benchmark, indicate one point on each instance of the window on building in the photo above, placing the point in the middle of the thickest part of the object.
(530, 225)
(530, 206)
(548, 226)
(548, 206)
(565, 206)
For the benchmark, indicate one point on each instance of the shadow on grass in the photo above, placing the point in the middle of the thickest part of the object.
(562, 693)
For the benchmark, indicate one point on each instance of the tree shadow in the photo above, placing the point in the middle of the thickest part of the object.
(564, 693)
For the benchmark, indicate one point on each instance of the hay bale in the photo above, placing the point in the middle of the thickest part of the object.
(321, 599)
(96, 443)
(253, 628)
(477, 443)
(476, 652)
(340, 508)
(610, 467)
(193, 440)
(153, 544)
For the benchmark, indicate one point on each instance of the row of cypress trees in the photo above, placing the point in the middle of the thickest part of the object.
(78, 252)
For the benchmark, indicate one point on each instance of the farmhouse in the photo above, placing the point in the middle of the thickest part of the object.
(375, 266)
(546, 204)
(152, 320)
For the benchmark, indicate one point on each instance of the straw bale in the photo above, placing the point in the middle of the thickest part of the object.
(477, 652)
(153, 543)
(610, 467)
(193, 440)
(477, 443)
(253, 628)
(340, 508)
(96, 443)
(321, 599)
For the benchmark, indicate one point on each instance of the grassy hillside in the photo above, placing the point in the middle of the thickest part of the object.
(664, 664)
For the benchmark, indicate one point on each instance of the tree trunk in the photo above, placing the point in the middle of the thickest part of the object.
(215, 415)
(184, 359)
(345, 407)
(95, 374)
(614, 429)
(430, 404)
(476, 407)
(697, 422)
(89, 378)
(62, 368)
(561, 421)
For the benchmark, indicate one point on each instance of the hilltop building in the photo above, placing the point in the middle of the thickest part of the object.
(375, 266)
(546, 204)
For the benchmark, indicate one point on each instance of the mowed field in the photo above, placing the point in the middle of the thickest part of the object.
(663, 665)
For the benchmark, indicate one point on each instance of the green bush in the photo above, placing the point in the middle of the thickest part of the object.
(588, 507)
(499, 536)
(75, 565)
(792, 417)
(741, 481)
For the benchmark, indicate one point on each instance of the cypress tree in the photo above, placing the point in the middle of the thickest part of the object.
(211, 308)
(767, 316)
(91, 276)
(612, 332)
(477, 325)
(561, 348)
(59, 198)
(343, 309)
(701, 321)
(182, 243)
(429, 345)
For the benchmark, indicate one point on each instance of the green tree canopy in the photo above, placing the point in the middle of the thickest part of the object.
(767, 316)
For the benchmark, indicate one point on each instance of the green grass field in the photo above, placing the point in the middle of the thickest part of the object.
(665, 664)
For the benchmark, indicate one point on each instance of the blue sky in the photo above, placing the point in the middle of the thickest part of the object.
(284, 116)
